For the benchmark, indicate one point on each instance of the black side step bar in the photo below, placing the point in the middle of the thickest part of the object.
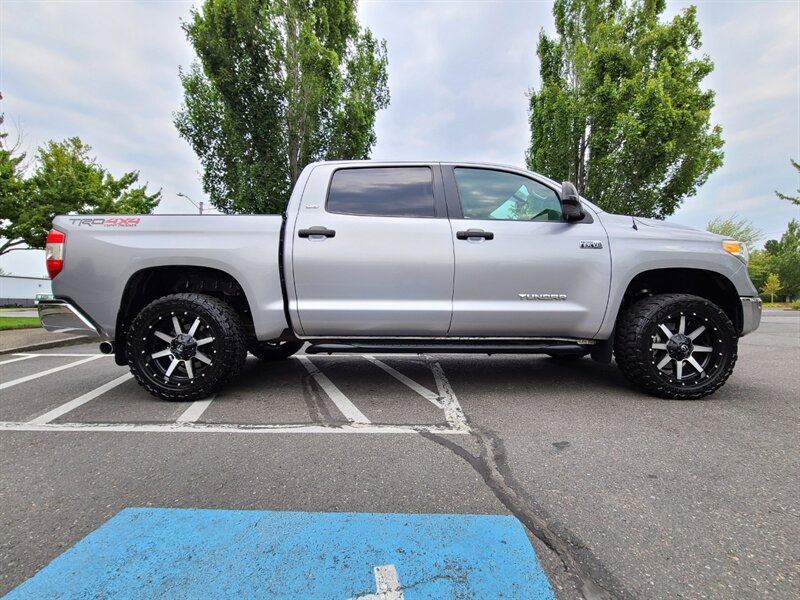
(527, 348)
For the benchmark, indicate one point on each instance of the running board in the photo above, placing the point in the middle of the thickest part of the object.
(565, 349)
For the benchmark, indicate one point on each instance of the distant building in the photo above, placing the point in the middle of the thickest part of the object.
(22, 291)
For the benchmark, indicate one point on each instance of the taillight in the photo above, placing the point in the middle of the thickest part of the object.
(54, 252)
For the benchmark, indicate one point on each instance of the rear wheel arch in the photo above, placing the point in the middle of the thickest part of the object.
(152, 283)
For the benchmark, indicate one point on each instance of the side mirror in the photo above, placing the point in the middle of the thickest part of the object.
(571, 203)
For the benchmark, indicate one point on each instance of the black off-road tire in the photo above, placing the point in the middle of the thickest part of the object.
(273, 351)
(226, 352)
(639, 331)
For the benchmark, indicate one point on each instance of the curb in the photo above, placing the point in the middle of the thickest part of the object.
(71, 341)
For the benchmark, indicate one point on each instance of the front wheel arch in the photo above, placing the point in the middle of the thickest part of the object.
(710, 285)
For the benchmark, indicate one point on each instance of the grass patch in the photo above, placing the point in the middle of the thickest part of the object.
(7, 323)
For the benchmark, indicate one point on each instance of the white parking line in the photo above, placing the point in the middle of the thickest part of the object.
(187, 422)
(452, 409)
(195, 411)
(342, 402)
(11, 360)
(14, 382)
(420, 389)
(73, 404)
(226, 428)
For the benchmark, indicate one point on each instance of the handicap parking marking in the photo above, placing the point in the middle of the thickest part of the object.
(188, 553)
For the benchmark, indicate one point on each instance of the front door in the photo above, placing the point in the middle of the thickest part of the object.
(521, 271)
(373, 255)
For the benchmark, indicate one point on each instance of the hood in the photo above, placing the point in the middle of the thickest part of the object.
(673, 225)
(662, 227)
(659, 223)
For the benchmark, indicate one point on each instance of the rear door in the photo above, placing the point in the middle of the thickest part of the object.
(372, 253)
(521, 271)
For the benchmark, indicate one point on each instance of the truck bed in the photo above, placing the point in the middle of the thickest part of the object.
(244, 246)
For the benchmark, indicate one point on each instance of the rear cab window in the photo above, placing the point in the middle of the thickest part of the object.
(382, 192)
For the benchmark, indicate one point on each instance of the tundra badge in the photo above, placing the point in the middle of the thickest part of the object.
(542, 296)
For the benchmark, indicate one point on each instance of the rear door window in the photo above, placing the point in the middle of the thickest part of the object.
(382, 192)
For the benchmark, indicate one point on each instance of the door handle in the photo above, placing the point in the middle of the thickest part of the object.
(317, 230)
(474, 233)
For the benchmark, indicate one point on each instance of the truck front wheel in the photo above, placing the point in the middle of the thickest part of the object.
(186, 346)
(676, 346)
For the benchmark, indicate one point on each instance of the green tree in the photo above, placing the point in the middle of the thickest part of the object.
(772, 286)
(621, 111)
(12, 191)
(279, 84)
(741, 230)
(785, 259)
(792, 199)
(68, 180)
(759, 267)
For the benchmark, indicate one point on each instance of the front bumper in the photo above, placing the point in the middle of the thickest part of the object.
(751, 314)
(59, 316)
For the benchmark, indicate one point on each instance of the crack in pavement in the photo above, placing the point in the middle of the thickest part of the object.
(491, 464)
(317, 409)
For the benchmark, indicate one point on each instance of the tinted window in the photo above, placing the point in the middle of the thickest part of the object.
(382, 191)
(489, 194)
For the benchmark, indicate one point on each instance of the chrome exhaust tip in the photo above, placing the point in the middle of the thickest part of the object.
(107, 347)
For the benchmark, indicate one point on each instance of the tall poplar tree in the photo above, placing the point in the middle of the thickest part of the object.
(278, 84)
(621, 111)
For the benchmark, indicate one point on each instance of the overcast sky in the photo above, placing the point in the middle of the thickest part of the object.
(459, 72)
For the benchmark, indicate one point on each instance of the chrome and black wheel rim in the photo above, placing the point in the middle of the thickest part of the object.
(686, 349)
(179, 349)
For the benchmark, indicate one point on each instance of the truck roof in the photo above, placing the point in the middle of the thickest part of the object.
(461, 163)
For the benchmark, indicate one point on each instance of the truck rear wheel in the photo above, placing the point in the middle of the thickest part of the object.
(186, 346)
(271, 351)
(676, 346)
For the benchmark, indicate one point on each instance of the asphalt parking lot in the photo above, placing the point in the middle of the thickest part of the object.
(621, 495)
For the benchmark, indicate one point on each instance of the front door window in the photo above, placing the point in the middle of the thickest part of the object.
(498, 195)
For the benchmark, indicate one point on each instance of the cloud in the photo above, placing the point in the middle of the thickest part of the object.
(106, 72)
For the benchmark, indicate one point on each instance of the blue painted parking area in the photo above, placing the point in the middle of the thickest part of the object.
(188, 553)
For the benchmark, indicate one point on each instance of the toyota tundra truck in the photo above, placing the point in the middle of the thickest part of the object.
(427, 257)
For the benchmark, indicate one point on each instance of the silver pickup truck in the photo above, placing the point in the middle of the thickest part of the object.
(404, 257)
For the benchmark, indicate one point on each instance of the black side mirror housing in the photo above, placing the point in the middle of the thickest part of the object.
(571, 203)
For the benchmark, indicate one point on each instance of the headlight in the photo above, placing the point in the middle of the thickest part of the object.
(738, 249)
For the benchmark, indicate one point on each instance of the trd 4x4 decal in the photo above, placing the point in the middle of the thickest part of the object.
(110, 222)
